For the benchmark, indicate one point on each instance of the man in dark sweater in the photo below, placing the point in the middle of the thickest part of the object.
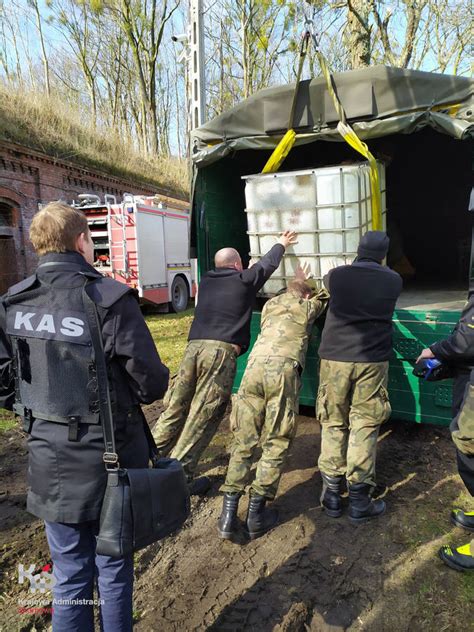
(352, 399)
(219, 334)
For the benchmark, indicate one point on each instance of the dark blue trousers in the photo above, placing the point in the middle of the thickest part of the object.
(77, 568)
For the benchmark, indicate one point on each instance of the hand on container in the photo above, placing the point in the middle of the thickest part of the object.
(303, 272)
(425, 354)
(288, 238)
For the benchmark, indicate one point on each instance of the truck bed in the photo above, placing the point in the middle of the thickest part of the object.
(433, 298)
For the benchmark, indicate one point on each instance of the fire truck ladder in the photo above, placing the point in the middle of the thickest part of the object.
(127, 198)
(120, 218)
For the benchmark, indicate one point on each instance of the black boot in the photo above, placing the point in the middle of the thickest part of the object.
(227, 523)
(331, 495)
(259, 518)
(464, 519)
(200, 486)
(461, 559)
(361, 505)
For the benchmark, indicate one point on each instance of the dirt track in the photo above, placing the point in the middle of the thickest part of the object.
(310, 573)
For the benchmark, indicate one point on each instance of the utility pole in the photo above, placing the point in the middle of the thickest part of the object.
(196, 73)
(193, 55)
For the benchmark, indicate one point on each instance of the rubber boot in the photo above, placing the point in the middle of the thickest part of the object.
(461, 559)
(200, 486)
(331, 500)
(227, 523)
(361, 505)
(260, 519)
(464, 519)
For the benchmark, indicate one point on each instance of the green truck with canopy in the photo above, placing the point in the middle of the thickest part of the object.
(420, 125)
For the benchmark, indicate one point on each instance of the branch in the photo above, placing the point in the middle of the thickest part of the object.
(363, 22)
(382, 26)
(415, 10)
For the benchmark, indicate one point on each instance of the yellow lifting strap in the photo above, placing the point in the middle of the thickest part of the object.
(345, 130)
(283, 148)
(351, 138)
(280, 152)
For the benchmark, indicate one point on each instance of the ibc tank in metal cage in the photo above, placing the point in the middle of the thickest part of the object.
(329, 208)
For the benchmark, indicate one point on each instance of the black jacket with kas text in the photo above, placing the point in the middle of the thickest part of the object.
(47, 374)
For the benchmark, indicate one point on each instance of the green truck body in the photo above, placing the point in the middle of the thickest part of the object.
(428, 184)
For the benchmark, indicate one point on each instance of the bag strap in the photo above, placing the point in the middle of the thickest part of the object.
(110, 456)
(153, 450)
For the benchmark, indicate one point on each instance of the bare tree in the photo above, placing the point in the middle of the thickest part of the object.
(83, 33)
(143, 23)
(34, 4)
(110, 58)
(452, 34)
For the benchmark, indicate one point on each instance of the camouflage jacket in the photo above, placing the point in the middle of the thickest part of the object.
(286, 325)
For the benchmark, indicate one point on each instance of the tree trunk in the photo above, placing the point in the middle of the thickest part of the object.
(43, 48)
(359, 43)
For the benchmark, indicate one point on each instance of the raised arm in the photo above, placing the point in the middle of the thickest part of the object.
(261, 271)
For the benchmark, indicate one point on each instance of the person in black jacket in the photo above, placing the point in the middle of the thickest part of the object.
(458, 351)
(219, 333)
(352, 400)
(47, 376)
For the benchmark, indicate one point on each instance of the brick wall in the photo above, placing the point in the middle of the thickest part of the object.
(28, 178)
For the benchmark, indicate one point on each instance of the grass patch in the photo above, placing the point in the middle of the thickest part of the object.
(61, 129)
(170, 333)
(7, 420)
(466, 594)
(440, 591)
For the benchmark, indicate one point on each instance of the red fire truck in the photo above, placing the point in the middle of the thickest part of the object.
(143, 242)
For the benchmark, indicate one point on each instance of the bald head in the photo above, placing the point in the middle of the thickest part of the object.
(228, 258)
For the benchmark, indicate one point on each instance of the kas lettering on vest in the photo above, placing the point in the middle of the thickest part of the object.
(66, 326)
(63, 338)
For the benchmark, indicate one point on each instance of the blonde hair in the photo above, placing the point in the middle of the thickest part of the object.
(56, 228)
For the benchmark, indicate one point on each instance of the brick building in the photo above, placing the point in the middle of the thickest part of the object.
(28, 178)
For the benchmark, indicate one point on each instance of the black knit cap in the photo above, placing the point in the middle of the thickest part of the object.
(373, 245)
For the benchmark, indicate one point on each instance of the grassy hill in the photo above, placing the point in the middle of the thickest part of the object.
(55, 128)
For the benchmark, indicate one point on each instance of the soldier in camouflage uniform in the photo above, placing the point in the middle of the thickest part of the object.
(200, 392)
(267, 404)
(352, 400)
(220, 331)
(458, 351)
(352, 404)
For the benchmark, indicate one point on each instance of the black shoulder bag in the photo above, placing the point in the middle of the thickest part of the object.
(141, 505)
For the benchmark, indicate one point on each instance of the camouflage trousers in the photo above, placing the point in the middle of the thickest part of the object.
(352, 404)
(265, 407)
(462, 433)
(462, 426)
(196, 402)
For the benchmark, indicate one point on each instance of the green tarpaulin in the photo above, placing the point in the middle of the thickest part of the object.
(379, 101)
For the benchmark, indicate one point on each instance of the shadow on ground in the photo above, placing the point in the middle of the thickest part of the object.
(313, 572)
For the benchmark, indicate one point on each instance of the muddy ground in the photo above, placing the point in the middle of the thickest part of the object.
(311, 573)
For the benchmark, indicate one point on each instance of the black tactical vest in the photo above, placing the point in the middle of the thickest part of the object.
(48, 329)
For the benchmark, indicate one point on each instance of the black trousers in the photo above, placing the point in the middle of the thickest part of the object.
(465, 462)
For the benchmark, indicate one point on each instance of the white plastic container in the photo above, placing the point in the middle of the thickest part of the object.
(329, 208)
